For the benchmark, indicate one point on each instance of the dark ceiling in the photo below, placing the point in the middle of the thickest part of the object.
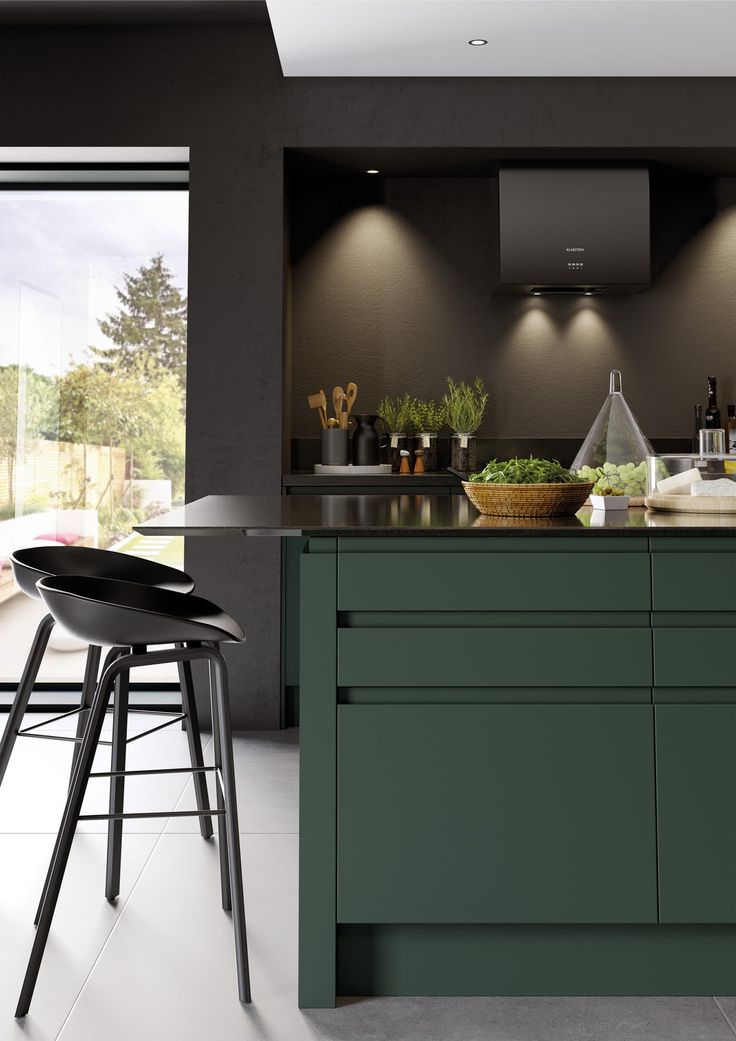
(131, 12)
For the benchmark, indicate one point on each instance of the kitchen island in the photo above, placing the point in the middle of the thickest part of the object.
(518, 746)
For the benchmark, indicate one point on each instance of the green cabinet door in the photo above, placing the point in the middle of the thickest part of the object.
(696, 801)
(496, 813)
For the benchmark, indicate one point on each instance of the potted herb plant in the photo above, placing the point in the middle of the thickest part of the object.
(396, 414)
(465, 405)
(428, 418)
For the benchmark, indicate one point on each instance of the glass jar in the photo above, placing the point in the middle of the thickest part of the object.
(428, 443)
(463, 453)
(397, 442)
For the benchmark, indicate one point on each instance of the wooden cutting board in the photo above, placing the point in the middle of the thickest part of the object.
(692, 503)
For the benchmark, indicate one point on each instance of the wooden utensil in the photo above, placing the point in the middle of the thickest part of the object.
(338, 396)
(319, 401)
(350, 395)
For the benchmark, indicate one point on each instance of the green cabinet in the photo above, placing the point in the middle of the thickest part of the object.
(693, 656)
(493, 581)
(693, 581)
(489, 657)
(696, 802)
(496, 813)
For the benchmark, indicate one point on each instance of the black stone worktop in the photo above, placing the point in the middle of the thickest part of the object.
(344, 515)
(391, 482)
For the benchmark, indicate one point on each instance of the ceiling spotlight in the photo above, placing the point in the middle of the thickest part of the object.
(477, 43)
(373, 171)
(535, 292)
(588, 292)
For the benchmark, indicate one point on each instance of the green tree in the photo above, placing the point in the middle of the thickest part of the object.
(97, 407)
(149, 331)
(40, 411)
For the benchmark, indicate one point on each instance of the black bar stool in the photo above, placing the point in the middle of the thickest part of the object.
(32, 564)
(125, 614)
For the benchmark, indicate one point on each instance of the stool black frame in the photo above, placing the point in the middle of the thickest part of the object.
(116, 675)
(188, 717)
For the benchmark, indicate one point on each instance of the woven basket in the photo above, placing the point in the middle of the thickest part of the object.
(527, 500)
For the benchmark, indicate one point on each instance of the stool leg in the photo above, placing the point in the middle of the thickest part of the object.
(25, 689)
(89, 685)
(221, 826)
(194, 740)
(113, 654)
(64, 843)
(233, 833)
(117, 785)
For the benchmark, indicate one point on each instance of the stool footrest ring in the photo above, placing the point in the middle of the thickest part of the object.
(142, 816)
(163, 770)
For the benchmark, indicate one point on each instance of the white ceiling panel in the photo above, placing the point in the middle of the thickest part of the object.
(525, 37)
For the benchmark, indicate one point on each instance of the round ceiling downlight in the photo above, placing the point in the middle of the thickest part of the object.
(477, 43)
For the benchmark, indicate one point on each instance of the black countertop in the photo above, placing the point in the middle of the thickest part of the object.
(343, 515)
(391, 482)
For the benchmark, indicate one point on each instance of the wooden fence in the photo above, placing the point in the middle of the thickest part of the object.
(83, 474)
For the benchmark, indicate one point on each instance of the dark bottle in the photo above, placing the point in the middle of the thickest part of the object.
(731, 430)
(712, 414)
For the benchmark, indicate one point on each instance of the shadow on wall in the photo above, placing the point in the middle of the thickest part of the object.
(393, 287)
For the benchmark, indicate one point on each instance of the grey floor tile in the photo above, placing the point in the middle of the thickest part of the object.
(267, 774)
(83, 922)
(727, 1006)
(172, 954)
(525, 1019)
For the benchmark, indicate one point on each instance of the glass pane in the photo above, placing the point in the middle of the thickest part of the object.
(93, 326)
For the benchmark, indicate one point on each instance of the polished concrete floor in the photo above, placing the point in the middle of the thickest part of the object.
(159, 966)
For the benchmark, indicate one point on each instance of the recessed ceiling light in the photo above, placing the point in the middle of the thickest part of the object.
(477, 43)
(373, 171)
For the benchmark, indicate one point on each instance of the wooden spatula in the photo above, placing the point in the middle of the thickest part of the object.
(319, 400)
(350, 394)
(338, 396)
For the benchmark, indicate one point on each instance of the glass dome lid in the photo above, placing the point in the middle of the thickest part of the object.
(615, 449)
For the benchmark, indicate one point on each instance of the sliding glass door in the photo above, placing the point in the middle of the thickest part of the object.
(93, 339)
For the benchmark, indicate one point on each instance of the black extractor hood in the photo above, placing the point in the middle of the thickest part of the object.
(573, 229)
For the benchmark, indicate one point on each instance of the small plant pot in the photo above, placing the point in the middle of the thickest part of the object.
(463, 453)
(610, 503)
(427, 442)
(397, 442)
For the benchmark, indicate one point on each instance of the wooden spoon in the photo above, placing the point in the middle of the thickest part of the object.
(351, 395)
(319, 400)
(338, 396)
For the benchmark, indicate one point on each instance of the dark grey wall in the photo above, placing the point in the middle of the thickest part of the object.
(395, 290)
(220, 91)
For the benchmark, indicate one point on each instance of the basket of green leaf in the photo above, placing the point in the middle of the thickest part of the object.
(526, 488)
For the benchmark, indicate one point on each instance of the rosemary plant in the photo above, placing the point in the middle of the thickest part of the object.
(465, 405)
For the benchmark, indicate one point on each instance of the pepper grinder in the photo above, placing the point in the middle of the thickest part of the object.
(419, 461)
(404, 468)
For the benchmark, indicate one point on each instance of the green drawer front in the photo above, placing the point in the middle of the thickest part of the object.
(693, 581)
(496, 813)
(494, 582)
(529, 657)
(694, 657)
(696, 799)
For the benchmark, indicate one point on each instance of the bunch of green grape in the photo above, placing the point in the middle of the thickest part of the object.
(629, 478)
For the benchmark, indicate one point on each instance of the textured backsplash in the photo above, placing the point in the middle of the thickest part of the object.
(395, 290)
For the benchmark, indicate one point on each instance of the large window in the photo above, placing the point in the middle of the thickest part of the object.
(93, 327)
